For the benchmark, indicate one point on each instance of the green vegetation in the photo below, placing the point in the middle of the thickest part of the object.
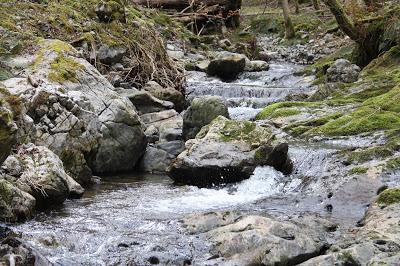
(361, 156)
(376, 98)
(76, 22)
(320, 67)
(358, 170)
(360, 121)
(64, 69)
(5, 192)
(393, 163)
(285, 112)
(282, 109)
(389, 196)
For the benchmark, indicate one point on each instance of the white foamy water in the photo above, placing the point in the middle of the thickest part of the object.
(265, 182)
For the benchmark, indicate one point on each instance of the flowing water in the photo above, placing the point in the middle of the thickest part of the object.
(134, 219)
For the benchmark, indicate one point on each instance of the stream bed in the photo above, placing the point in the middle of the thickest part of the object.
(135, 219)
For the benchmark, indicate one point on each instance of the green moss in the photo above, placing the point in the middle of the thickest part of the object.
(362, 120)
(6, 191)
(275, 109)
(393, 163)
(369, 154)
(233, 130)
(285, 112)
(64, 69)
(359, 170)
(4, 74)
(389, 196)
(320, 67)
(263, 24)
(76, 22)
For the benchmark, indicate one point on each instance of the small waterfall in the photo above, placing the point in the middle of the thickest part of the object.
(254, 90)
(264, 182)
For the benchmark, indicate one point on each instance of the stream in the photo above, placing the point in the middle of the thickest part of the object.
(135, 219)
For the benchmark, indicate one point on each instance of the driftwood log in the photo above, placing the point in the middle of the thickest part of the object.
(199, 12)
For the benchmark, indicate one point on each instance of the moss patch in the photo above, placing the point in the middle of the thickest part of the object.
(234, 130)
(359, 170)
(283, 109)
(363, 120)
(389, 196)
(393, 163)
(64, 69)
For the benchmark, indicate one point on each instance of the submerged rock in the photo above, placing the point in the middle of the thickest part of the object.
(201, 112)
(155, 160)
(227, 66)
(75, 112)
(110, 55)
(258, 240)
(377, 242)
(228, 151)
(343, 71)
(41, 174)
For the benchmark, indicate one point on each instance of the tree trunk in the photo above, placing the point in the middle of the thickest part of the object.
(344, 21)
(288, 22)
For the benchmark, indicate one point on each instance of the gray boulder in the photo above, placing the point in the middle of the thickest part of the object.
(39, 172)
(8, 131)
(201, 112)
(343, 71)
(228, 151)
(159, 157)
(174, 147)
(75, 112)
(110, 55)
(145, 102)
(227, 65)
(167, 125)
(155, 160)
(166, 94)
(258, 240)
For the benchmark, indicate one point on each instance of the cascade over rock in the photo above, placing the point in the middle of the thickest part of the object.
(228, 151)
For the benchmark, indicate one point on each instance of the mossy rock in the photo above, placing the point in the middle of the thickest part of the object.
(226, 130)
(389, 196)
(15, 205)
(201, 112)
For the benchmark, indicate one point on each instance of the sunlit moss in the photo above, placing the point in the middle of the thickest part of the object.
(389, 196)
